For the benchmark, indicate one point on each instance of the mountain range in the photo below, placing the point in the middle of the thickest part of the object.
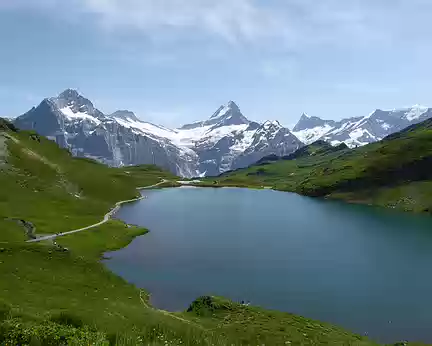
(225, 141)
(359, 131)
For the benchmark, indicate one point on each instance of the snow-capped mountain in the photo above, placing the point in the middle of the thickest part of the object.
(361, 130)
(227, 140)
(117, 139)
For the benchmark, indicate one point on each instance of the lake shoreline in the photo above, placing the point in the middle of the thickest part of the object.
(330, 197)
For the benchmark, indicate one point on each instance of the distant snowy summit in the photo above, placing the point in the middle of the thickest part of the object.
(225, 141)
(361, 130)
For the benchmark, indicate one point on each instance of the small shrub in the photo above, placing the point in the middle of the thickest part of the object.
(67, 319)
(5, 310)
(207, 305)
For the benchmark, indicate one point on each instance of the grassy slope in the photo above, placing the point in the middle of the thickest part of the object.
(393, 173)
(44, 185)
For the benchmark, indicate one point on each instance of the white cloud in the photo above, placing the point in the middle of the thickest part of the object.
(288, 23)
(233, 20)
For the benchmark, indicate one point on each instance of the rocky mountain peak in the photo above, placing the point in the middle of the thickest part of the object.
(226, 110)
(307, 122)
(229, 114)
(72, 101)
(125, 115)
(269, 124)
(69, 94)
(233, 105)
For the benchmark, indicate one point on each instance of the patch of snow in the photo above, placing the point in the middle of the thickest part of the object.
(309, 136)
(242, 144)
(185, 139)
(191, 136)
(415, 112)
(156, 132)
(70, 115)
(385, 126)
(338, 130)
(213, 135)
(356, 135)
(362, 120)
(145, 127)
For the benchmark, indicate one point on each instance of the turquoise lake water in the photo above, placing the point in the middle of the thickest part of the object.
(366, 269)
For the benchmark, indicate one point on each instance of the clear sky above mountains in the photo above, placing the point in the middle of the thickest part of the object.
(175, 61)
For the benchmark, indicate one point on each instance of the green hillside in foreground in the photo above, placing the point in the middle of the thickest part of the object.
(62, 295)
(395, 172)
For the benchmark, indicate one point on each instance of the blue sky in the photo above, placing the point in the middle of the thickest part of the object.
(176, 61)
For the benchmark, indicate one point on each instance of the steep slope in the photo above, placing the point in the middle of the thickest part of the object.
(362, 130)
(394, 172)
(225, 141)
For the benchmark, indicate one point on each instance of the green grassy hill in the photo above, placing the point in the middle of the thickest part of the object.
(395, 172)
(49, 296)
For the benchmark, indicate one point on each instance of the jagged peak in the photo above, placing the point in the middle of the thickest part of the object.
(231, 104)
(270, 123)
(69, 93)
(124, 114)
(223, 110)
(70, 101)
(72, 98)
(310, 121)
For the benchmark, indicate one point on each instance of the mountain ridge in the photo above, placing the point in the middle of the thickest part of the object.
(227, 140)
(358, 131)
